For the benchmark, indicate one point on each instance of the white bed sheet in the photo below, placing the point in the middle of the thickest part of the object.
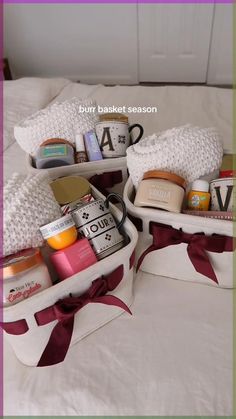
(174, 355)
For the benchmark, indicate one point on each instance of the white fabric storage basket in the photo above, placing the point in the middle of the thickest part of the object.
(30, 345)
(115, 171)
(173, 260)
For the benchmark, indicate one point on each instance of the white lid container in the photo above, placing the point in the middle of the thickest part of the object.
(200, 185)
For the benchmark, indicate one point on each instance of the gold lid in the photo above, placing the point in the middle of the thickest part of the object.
(159, 174)
(70, 188)
(120, 117)
(20, 262)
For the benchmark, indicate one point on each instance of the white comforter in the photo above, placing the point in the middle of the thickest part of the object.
(174, 355)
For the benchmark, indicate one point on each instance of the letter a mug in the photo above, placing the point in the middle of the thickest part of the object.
(95, 222)
(113, 133)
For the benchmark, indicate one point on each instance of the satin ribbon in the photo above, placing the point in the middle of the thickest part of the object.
(197, 246)
(64, 311)
(106, 180)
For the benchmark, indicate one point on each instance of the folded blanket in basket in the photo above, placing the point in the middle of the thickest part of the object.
(56, 121)
(188, 151)
(29, 203)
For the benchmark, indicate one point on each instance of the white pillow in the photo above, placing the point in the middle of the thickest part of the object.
(24, 96)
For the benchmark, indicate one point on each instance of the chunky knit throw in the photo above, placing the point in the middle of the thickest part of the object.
(59, 120)
(188, 151)
(29, 203)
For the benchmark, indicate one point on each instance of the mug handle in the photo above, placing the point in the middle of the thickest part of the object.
(140, 133)
(124, 210)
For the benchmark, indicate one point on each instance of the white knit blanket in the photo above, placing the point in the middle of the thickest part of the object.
(188, 151)
(59, 120)
(29, 203)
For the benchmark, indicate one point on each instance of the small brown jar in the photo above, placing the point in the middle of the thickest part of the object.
(160, 189)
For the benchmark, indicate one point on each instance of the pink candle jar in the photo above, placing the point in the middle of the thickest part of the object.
(24, 274)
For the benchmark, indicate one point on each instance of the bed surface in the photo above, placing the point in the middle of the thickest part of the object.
(174, 355)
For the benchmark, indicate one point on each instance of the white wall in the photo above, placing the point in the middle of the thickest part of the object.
(87, 42)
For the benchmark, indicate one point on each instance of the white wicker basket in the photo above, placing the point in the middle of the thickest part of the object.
(173, 260)
(30, 345)
(116, 170)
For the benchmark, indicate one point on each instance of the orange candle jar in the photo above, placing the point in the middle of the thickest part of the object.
(24, 274)
(60, 233)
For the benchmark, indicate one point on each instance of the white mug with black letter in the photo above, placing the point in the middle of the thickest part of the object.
(222, 192)
(114, 137)
(95, 222)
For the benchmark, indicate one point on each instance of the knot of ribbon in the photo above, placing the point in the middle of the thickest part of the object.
(65, 309)
(198, 245)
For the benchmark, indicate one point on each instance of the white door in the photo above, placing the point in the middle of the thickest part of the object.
(174, 41)
(220, 70)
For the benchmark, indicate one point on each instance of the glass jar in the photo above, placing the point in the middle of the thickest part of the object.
(160, 189)
(24, 274)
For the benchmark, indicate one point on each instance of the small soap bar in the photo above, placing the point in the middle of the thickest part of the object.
(54, 155)
(73, 259)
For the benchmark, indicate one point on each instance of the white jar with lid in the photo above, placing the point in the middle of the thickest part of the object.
(24, 274)
(162, 190)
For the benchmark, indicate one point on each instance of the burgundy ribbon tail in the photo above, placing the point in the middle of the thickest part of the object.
(111, 300)
(58, 344)
(201, 262)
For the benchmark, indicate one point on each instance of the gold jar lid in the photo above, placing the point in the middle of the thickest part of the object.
(118, 117)
(20, 262)
(70, 188)
(160, 174)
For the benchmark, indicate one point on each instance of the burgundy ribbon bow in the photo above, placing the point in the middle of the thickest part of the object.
(64, 311)
(197, 245)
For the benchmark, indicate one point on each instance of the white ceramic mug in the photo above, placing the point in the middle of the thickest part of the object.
(114, 137)
(222, 194)
(95, 222)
